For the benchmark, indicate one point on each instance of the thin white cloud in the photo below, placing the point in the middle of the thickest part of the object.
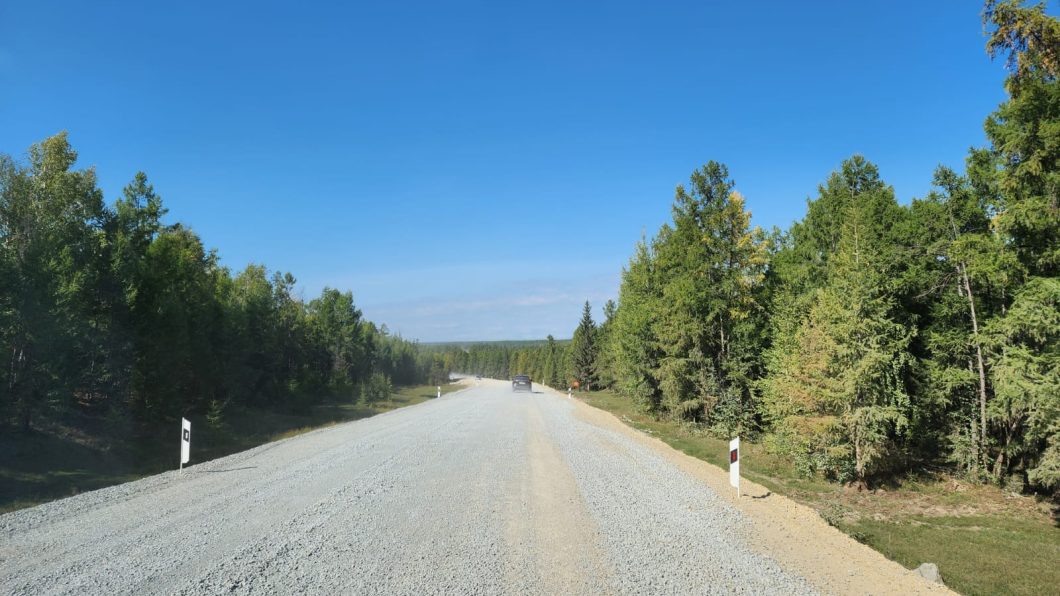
(490, 316)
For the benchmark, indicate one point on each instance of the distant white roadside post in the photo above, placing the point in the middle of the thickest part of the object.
(185, 443)
(734, 464)
(569, 393)
(439, 391)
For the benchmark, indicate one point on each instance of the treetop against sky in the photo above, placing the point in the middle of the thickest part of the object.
(475, 170)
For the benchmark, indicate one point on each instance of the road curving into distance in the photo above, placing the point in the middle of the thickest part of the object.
(480, 492)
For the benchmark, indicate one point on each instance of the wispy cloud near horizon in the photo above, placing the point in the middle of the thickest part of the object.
(486, 301)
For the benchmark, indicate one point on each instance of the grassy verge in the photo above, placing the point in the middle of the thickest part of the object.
(985, 541)
(63, 460)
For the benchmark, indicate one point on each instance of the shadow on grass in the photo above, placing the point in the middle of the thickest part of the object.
(37, 466)
(85, 454)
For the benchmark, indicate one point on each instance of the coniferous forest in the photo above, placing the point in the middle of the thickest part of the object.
(871, 336)
(108, 313)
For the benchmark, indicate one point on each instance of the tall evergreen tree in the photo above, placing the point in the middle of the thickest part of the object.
(583, 350)
(1024, 132)
(962, 270)
(605, 354)
(551, 373)
(711, 263)
(837, 393)
(634, 343)
(1024, 346)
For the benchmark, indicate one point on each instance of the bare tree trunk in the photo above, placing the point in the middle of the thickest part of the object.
(978, 456)
(722, 352)
(978, 356)
(20, 394)
(963, 270)
(999, 462)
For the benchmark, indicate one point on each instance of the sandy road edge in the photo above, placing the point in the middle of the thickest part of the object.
(792, 534)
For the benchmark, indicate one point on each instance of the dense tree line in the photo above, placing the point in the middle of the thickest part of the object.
(867, 338)
(578, 362)
(545, 362)
(870, 336)
(107, 311)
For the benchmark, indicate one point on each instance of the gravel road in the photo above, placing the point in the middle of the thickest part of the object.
(480, 492)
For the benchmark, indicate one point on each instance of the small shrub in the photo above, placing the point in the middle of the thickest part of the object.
(215, 415)
(376, 388)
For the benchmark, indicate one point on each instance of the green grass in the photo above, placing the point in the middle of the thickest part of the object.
(64, 460)
(977, 554)
(983, 540)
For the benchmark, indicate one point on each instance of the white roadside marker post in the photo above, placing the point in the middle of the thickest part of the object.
(569, 396)
(439, 391)
(185, 443)
(734, 464)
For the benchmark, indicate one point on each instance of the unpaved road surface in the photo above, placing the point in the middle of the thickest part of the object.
(479, 492)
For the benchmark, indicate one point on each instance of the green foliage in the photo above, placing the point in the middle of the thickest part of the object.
(107, 313)
(583, 351)
(550, 371)
(1024, 132)
(546, 362)
(1029, 36)
(1025, 410)
(686, 338)
(840, 379)
(866, 338)
(635, 349)
(869, 335)
(439, 374)
(604, 364)
(215, 415)
(376, 388)
(50, 220)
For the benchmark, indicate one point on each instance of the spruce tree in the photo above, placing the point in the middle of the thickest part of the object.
(583, 350)
(837, 389)
(551, 372)
(634, 343)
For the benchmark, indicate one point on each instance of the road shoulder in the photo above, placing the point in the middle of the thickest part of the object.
(792, 534)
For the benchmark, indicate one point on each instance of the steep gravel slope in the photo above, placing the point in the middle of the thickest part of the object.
(479, 492)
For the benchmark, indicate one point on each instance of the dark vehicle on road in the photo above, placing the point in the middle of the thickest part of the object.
(522, 383)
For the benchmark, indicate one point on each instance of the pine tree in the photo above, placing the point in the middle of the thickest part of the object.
(634, 343)
(605, 353)
(837, 389)
(1024, 161)
(962, 269)
(1024, 131)
(1024, 346)
(711, 264)
(583, 350)
(551, 372)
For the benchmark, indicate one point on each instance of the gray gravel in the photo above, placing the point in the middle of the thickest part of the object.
(479, 492)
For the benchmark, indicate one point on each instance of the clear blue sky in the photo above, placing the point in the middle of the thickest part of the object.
(475, 170)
